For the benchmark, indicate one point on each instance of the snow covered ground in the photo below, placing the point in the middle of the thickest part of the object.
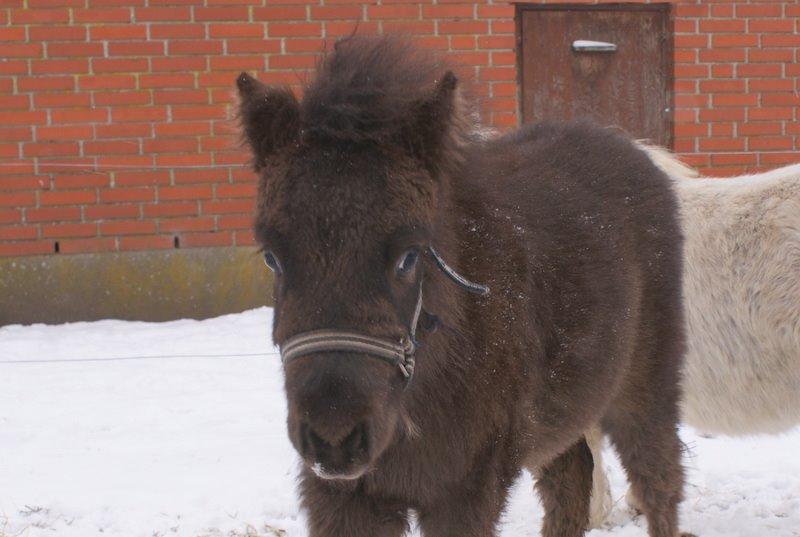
(193, 442)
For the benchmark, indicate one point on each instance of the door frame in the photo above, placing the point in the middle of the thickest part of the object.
(667, 62)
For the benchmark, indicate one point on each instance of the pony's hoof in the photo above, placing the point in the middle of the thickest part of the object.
(686, 534)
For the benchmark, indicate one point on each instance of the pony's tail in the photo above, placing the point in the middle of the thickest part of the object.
(667, 162)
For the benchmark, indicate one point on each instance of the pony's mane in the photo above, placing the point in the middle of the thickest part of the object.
(371, 89)
(667, 162)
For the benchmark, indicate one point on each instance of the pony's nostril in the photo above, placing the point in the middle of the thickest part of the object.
(357, 442)
(312, 441)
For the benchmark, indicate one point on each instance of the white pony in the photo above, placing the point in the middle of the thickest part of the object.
(742, 297)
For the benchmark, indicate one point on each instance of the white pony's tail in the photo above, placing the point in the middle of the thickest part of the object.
(667, 162)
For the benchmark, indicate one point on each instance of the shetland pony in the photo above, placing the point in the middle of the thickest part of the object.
(410, 387)
(741, 292)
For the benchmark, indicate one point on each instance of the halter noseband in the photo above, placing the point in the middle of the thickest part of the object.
(399, 354)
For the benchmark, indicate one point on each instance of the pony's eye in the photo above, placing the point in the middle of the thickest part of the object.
(408, 261)
(272, 262)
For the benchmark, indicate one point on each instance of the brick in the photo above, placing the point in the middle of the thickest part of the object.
(393, 12)
(116, 195)
(758, 129)
(76, 246)
(152, 242)
(117, 81)
(122, 98)
(79, 132)
(771, 25)
(169, 225)
(79, 116)
(216, 14)
(14, 102)
(50, 149)
(463, 27)
(210, 175)
(179, 63)
(72, 50)
(139, 114)
(764, 143)
(194, 240)
(80, 181)
(280, 13)
(265, 46)
(240, 30)
(119, 65)
(57, 33)
(303, 61)
(154, 14)
(203, 47)
(22, 50)
(735, 99)
(170, 209)
(127, 227)
(336, 12)
(61, 100)
(49, 67)
(721, 144)
(16, 134)
(722, 55)
(228, 207)
(73, 197)
(143, 48)
(116, 147)
(39, 16)
(177, 31)
(170, 146)
(53, 214)
(170, 80)
(734, 40)
(722, 25)
(275, 29)
(95, 15)
(10, 216)
(180, 97)
(759, 10)
(45, 83)
(69, 230)
(26, 248)
(781, 40)
(185, 193)
(759, 70)
(236, 191)
(12, 233)
(118, 33)
(770, 113)
(107, 212)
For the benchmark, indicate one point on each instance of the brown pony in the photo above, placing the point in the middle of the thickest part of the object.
(411, 388)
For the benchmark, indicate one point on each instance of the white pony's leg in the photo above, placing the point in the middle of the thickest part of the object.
(601, 503)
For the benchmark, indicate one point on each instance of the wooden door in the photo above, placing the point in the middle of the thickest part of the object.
(630, 87)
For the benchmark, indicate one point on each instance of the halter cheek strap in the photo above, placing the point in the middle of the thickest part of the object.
(399, 354)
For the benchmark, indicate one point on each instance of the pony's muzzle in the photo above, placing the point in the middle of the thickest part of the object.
(343, 459)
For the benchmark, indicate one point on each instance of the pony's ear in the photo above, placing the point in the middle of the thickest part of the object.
(436, 126)
(269, 117)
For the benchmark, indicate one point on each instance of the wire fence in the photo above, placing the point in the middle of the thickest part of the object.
(140, 357)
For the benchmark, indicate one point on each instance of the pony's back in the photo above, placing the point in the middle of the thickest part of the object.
(742, 296)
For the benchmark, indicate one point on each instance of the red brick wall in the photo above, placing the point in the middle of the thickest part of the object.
(115, 88)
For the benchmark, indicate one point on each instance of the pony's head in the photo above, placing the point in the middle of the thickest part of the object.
(350, 178)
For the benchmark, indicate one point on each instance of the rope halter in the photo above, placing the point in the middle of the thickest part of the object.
(397, 353)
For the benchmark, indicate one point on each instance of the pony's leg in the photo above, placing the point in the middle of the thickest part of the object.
(565, 488)
(651, 455)
(471, 510)
(601, 503)
(343, 510)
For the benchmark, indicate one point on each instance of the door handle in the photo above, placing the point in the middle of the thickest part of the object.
(584, 45)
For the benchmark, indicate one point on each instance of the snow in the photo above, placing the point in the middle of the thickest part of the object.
(188, 438)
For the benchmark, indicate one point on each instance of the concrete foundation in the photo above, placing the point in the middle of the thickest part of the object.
(156, 285)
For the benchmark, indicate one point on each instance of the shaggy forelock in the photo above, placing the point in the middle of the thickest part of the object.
(368, 89)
